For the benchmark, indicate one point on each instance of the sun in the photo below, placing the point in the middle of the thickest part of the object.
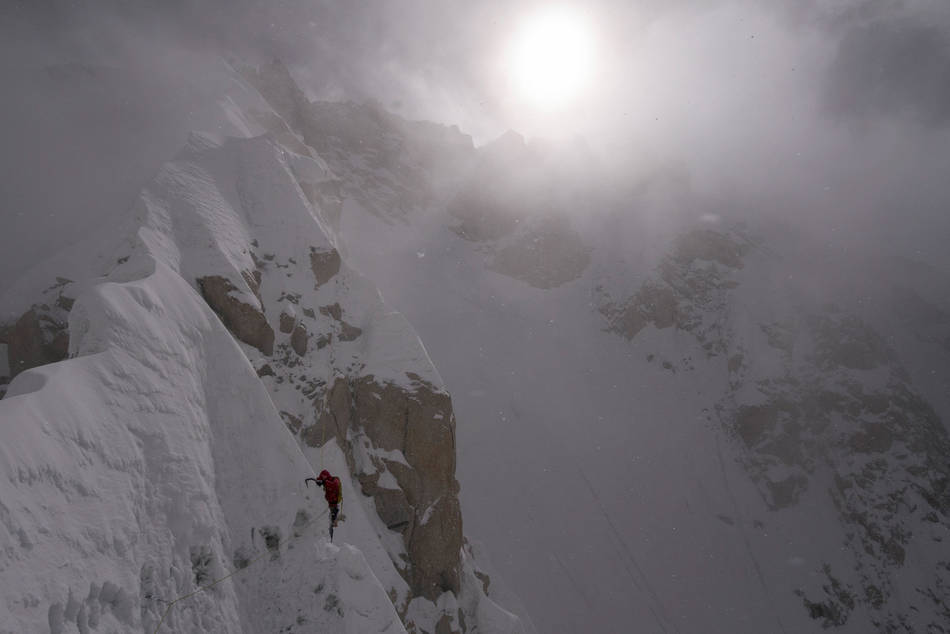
(549, 62)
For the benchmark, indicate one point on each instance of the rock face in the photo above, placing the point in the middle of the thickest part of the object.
(880, 444)
(39, 335)
(654, 303)
(691, 283)
(400, 444)
(347, 331)
(324, 264)
(819, 405)
(287, 323)
(299, 340)
(34, 340)
(382, 155)
(247, 322)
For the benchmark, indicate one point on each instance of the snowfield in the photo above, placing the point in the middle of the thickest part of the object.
(153, 462)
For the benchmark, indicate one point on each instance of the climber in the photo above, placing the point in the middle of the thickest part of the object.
(332, 491)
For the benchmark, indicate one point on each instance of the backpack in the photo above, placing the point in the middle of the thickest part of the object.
(333, 490)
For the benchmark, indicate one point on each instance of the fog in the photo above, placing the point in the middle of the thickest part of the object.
(826, 117)
(828, 113)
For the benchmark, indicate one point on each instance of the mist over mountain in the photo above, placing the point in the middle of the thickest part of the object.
(675, 358)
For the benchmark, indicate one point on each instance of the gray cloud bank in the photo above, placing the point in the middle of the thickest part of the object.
(892, 67)
(831, 115)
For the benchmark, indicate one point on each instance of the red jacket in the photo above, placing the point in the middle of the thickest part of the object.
(331, 487)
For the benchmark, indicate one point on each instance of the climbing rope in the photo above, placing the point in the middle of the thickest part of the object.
(267, 551)
(323, 432)
(326, 405)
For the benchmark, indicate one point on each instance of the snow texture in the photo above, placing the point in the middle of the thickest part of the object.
(601, 418)
(153, 462)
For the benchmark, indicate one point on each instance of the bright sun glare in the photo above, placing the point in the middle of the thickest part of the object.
(550, 58)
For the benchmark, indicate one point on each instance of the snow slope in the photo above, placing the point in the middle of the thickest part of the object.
(662, 426)
(141, 467)
(153, 461)
(666, 531)
(608, 363)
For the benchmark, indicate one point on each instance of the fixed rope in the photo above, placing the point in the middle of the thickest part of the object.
(326, 405)
(297, 534)
(323, 432)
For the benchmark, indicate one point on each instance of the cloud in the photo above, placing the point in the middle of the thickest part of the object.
(892, 67)
(818, 108)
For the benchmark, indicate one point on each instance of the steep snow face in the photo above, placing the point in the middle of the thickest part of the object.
(675, 428)
(713, 478)
(824, 434)
(824, 419)
(153, 461)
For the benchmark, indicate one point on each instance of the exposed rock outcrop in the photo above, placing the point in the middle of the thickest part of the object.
(247, 322)
(691, 283)
(821, 411)
(407, 434)
(379, 155)
(653, 304)
(40, 335)
(299, 339)
(287, 323)
(35, 339)
(348, 332)
(391, 504)
(881, 444)
(324, 264)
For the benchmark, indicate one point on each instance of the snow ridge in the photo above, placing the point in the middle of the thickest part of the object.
(142, 466)
(153, 461)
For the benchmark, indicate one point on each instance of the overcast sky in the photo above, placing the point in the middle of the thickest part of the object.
(860, 58)
(823, 110)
